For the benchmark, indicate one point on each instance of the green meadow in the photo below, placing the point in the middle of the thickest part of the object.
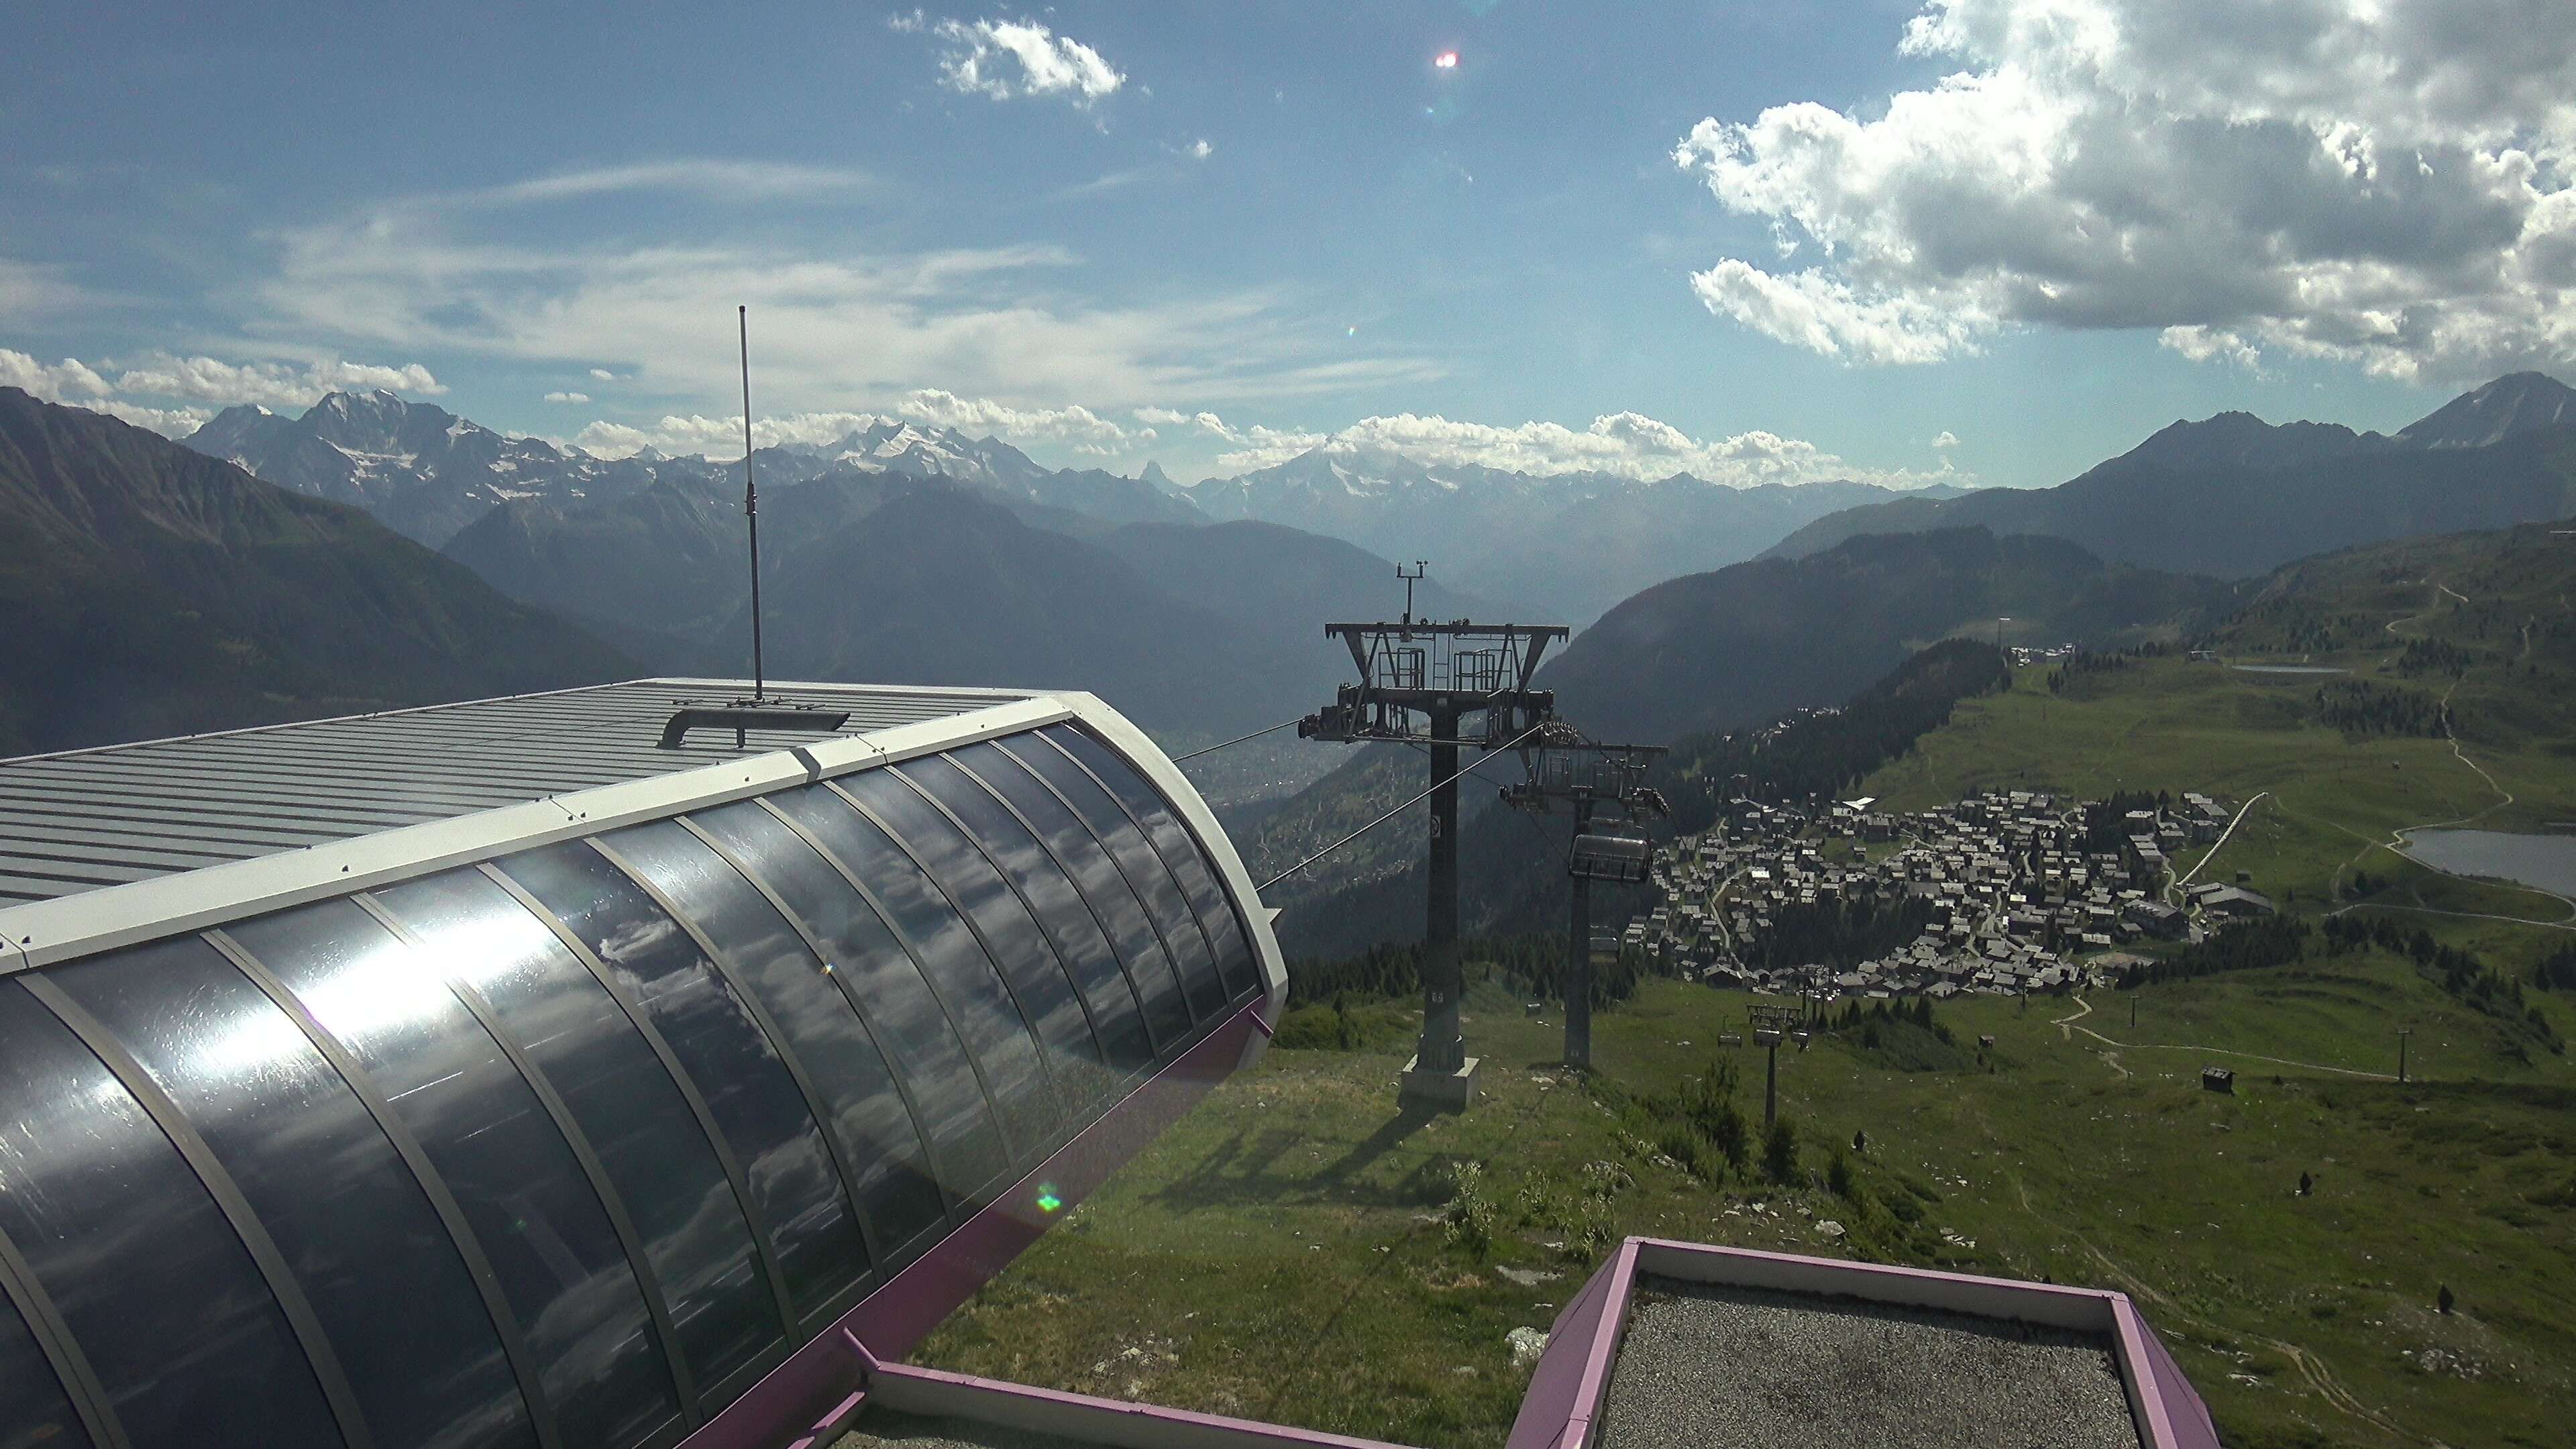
(1298, 1250)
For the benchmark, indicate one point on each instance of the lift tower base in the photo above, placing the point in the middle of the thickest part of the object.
(1429, 1087)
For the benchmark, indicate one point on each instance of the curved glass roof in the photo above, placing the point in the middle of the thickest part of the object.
(567, 1147)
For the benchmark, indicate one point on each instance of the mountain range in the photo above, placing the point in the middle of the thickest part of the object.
(151, 590)
(1193, 629)
(2234, 496)
(1752, 641)
(430, 474)
(1564, 547)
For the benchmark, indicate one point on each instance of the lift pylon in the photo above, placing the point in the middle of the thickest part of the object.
(1445, 686)
(1585, 777)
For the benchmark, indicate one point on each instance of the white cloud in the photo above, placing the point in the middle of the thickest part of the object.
(1078, 428)
(2390, 183)
(1628, 445)
(1086, 430)
(703, 176)
(77, 384)
(603, 374)
(67, 381)
(1200, 149)
(567, 397)
(194, 381)
(270, 384)
(2211, 344)
(684, 435)
(1007, 58)
(1945, 440)
(176, 422)
(830, 323)
(27, 291)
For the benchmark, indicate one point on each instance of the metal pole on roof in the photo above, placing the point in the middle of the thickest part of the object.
(1578, 976)
(751, 510)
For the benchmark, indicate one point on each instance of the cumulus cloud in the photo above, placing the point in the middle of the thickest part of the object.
(1627, 445)
(1200, 149)
(1945, 440)
(140, 391)
(682, 435)
(1085, 430)
(1007, 58)
(176, 422)
(2389, 183)
(69, 380)
(269, 384)
(567, 397)
(1077, 428)
(603, 374)
(2212, 344)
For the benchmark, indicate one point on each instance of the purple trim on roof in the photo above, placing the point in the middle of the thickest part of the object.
(1573, 1375)
(1556, 1413)
(920, 1390)
(801, 1393)
(2167, 1403)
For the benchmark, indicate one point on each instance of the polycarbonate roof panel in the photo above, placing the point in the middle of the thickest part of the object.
(89, 819)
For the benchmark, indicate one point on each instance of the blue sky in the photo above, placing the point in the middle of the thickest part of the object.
(1214, 234)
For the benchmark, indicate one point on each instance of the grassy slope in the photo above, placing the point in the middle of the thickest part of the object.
(1280, 1253)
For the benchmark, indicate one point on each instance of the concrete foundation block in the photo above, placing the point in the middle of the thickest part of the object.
(1444, 1091)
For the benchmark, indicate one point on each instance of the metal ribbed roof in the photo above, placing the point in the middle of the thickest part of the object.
(89, 819)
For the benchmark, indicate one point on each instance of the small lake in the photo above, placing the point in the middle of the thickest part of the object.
(2546, 861)
(2288, 669)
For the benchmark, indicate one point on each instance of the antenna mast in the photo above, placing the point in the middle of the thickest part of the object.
(751, 510)
(1420, 567)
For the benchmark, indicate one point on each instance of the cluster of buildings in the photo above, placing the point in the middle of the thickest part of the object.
(2018, 891)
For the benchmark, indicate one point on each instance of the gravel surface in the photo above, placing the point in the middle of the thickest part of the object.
(890, 1429)
(1711, 1367)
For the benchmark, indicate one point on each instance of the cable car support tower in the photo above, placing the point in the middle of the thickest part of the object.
(1584, 776)
(1447, 687)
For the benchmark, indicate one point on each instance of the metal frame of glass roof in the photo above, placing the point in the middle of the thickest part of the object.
(869, 1008)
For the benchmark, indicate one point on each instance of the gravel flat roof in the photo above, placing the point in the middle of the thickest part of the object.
(1708, 1366)
(883, 1428)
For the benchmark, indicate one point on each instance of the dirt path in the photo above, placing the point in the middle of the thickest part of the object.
(2312, 1369)
(2066, 1027)
(2242, 811)
(2083, 1009)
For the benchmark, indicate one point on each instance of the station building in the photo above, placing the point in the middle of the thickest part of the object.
(490, 1074)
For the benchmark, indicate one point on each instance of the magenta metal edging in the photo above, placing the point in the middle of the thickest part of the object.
(798, 1397)
(1214, 1429)
(1604, 1348)
(2169, 1409)
(1554, 1397)
(2146, 1399)
(2168, 1412)
(1846, 1267)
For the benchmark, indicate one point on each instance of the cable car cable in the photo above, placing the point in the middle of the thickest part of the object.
(1238, 739)
(1381, 820)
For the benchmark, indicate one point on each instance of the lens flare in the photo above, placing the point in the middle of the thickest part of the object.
(1048, 1202)
(1445, 60)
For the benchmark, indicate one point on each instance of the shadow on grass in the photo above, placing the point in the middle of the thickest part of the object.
(1251, 1167)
